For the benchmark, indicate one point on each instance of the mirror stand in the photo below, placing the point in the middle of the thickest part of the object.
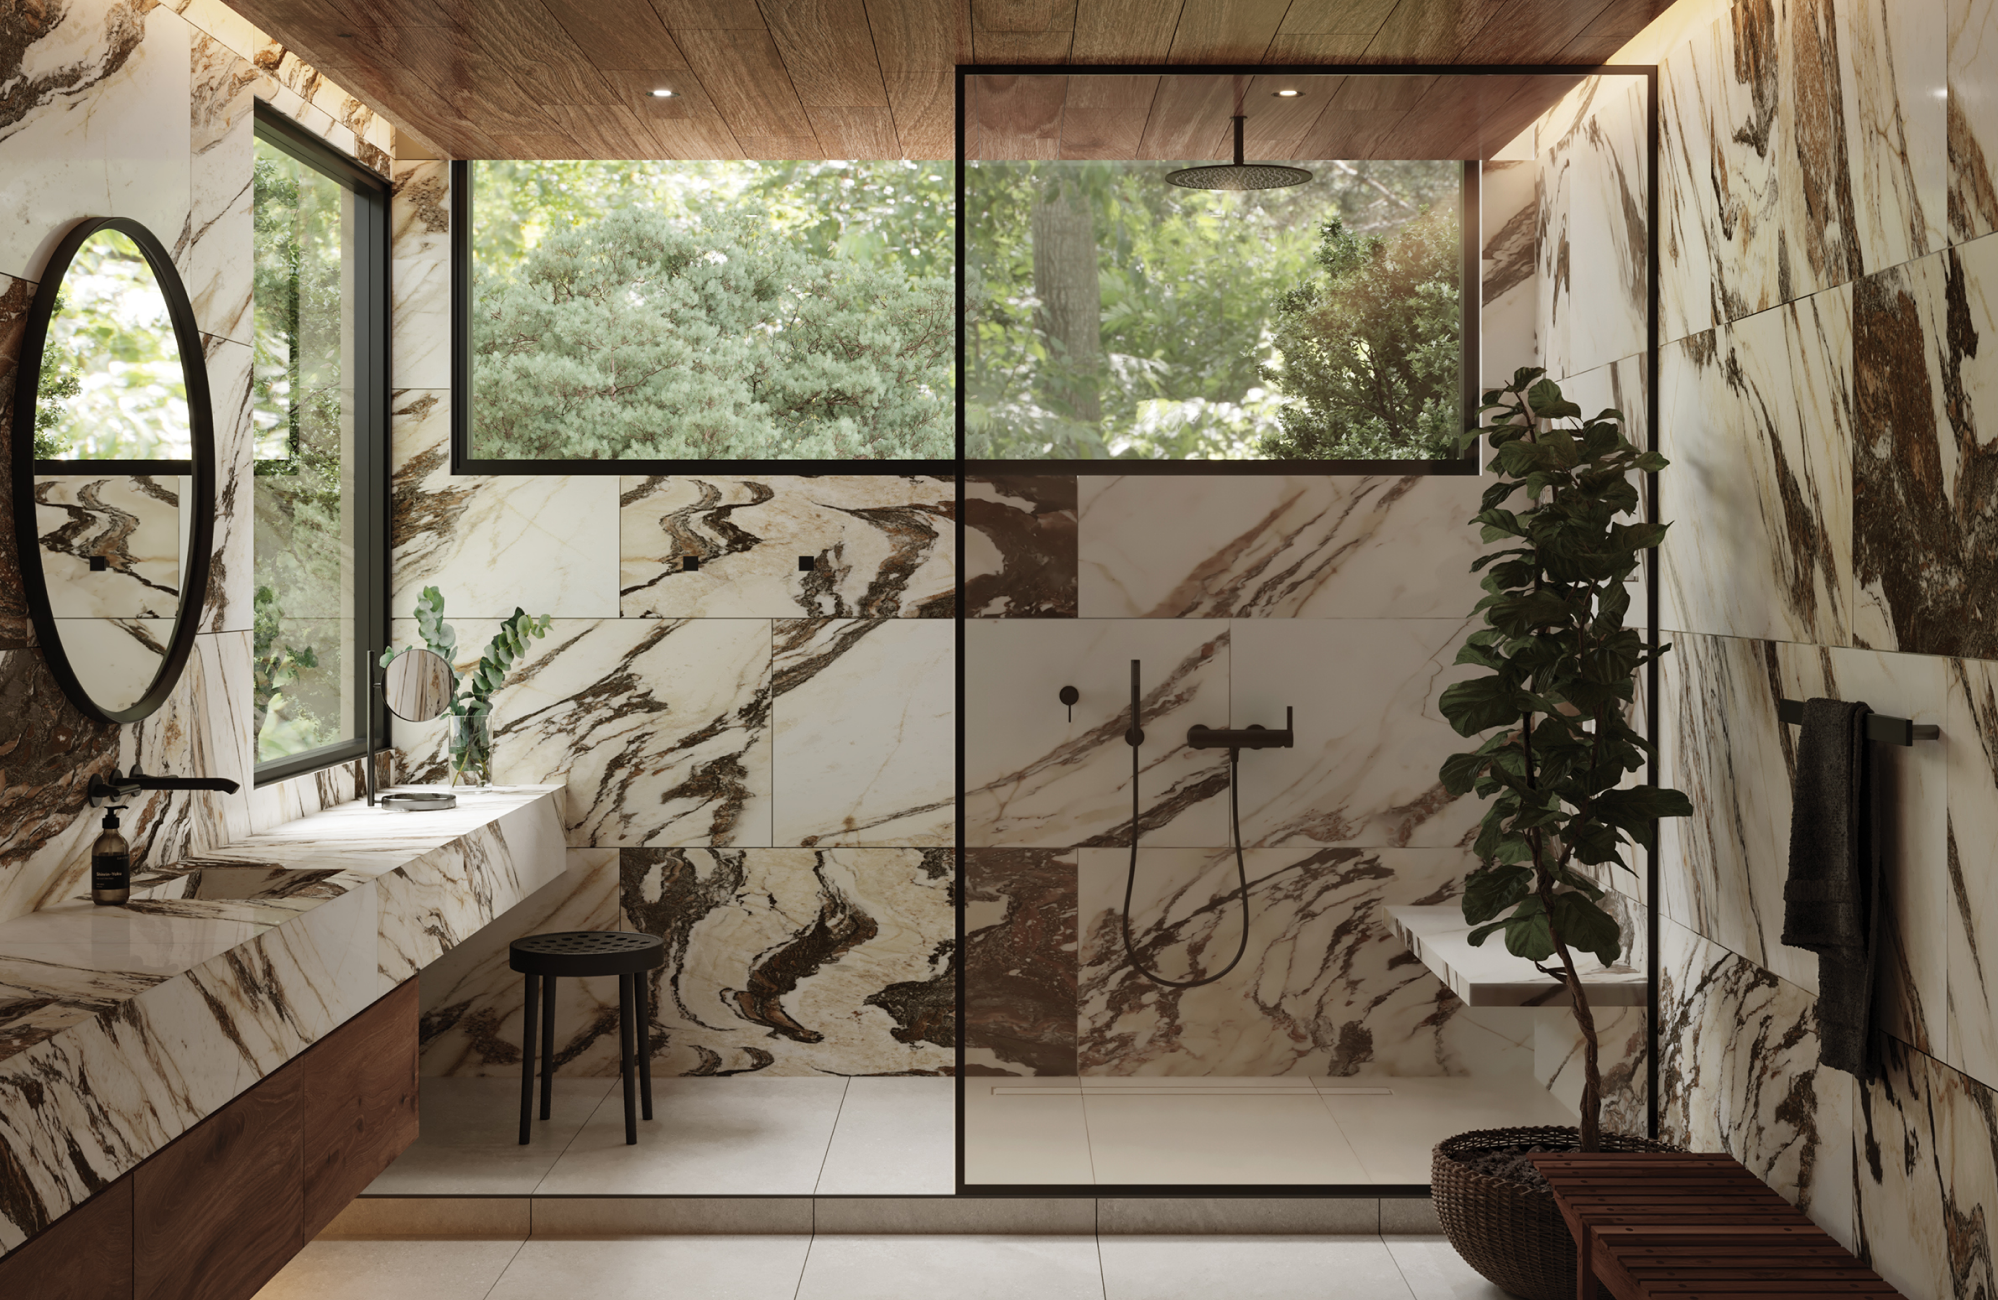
(423, 687)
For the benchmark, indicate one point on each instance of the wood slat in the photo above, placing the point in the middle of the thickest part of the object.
(1300, 47)
(1349, 133)
(1014, 117)
(717, 15)
(1276, 127)
(1432, 31)
(1236, 32)
(1126, 31)
(1022, 31)
(828, 50)
(915, 44)
(618, 35)
(539, 56)
(1104, 117)
(1189, 119)
(745, 78)
(1335, 17)
(1521, 32)
(924, 105)
(856, 132)
(912, 34)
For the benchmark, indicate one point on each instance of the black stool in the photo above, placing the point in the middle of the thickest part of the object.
(577, 954)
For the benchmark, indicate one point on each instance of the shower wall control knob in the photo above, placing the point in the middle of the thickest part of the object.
(1069, 695)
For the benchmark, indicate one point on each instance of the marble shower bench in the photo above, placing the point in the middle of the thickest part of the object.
(122, 1028)
(1489, 976)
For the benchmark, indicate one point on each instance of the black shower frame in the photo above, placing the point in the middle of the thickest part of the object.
(961, 469)
(1472, 277)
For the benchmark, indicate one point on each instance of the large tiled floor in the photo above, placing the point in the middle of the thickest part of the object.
(1360, 1131)
(895, 1136)
(804, 1267)
(708, 1137)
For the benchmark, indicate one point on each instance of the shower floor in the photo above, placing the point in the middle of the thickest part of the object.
(1183, 1131)
(896, 1136)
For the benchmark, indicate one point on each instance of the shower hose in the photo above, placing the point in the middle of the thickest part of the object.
(1135, 737)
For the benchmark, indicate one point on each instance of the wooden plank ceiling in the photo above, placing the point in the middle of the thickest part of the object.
(875, 78)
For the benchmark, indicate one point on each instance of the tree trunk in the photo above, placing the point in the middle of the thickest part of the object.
(1071, 311)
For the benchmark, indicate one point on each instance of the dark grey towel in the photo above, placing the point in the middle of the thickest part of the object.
(1829, 901)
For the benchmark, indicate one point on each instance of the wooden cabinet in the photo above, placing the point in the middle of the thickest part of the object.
(358, 1108)
(218, 1211)
(84, 1255)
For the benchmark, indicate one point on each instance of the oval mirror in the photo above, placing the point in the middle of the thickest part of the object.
(114, 492)
(418, 685)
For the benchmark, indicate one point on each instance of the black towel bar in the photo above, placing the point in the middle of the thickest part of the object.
(1879, 727)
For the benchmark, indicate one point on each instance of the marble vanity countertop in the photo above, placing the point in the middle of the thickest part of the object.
(122, 1027)
(1489, 976)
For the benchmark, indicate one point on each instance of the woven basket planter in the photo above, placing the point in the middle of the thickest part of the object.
(1510, 1233)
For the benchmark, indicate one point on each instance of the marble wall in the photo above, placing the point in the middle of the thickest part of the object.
(749, 690)
(142, 110)
(1826, 211)
(1341, 598)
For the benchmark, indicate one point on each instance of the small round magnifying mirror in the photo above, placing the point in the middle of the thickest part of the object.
(417, 686)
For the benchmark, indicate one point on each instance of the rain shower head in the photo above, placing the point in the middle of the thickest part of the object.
(1238, 175)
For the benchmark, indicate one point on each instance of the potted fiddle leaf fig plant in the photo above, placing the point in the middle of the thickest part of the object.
(470, 742)
(1556, 769)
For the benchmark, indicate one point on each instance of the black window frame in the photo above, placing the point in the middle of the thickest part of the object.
(373, 328)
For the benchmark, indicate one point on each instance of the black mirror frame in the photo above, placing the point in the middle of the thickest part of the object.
(201, 534)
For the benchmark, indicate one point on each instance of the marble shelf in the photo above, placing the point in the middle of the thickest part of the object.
(121, 1028)
(1489, 976)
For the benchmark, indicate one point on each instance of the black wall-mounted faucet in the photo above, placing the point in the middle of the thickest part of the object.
(104, 791)
(1249, 737)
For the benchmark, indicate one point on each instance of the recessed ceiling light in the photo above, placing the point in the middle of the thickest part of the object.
(660, 94)
(1287, 94)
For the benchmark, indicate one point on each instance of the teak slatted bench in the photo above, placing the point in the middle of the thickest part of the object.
(1693, 1227)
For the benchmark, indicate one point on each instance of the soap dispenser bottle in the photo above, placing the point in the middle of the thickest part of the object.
(111, 864)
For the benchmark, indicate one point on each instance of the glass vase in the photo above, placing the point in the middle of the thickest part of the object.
(471, 749)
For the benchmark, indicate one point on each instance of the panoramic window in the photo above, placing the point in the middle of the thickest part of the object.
(635, 311)
(1290, 305)
(318, 331)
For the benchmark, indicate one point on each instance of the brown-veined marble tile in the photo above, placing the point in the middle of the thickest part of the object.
(1020, 537)
(1756, 419)
(1278, 547)
(880, 546)
(1925, 469)
(1973, 119)
(1325, 987)
(1738, 1072)
(1020, 961)
(659, 727)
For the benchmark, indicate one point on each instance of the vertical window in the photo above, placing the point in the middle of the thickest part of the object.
(318, 412)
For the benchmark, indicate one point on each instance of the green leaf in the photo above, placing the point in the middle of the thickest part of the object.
(1490, 890)
(1582, 924)
(1479, 705)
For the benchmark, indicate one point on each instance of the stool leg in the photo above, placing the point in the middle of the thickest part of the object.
(626, 1032)
(644, 1043)
(533, 1005)
(547, 1045)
